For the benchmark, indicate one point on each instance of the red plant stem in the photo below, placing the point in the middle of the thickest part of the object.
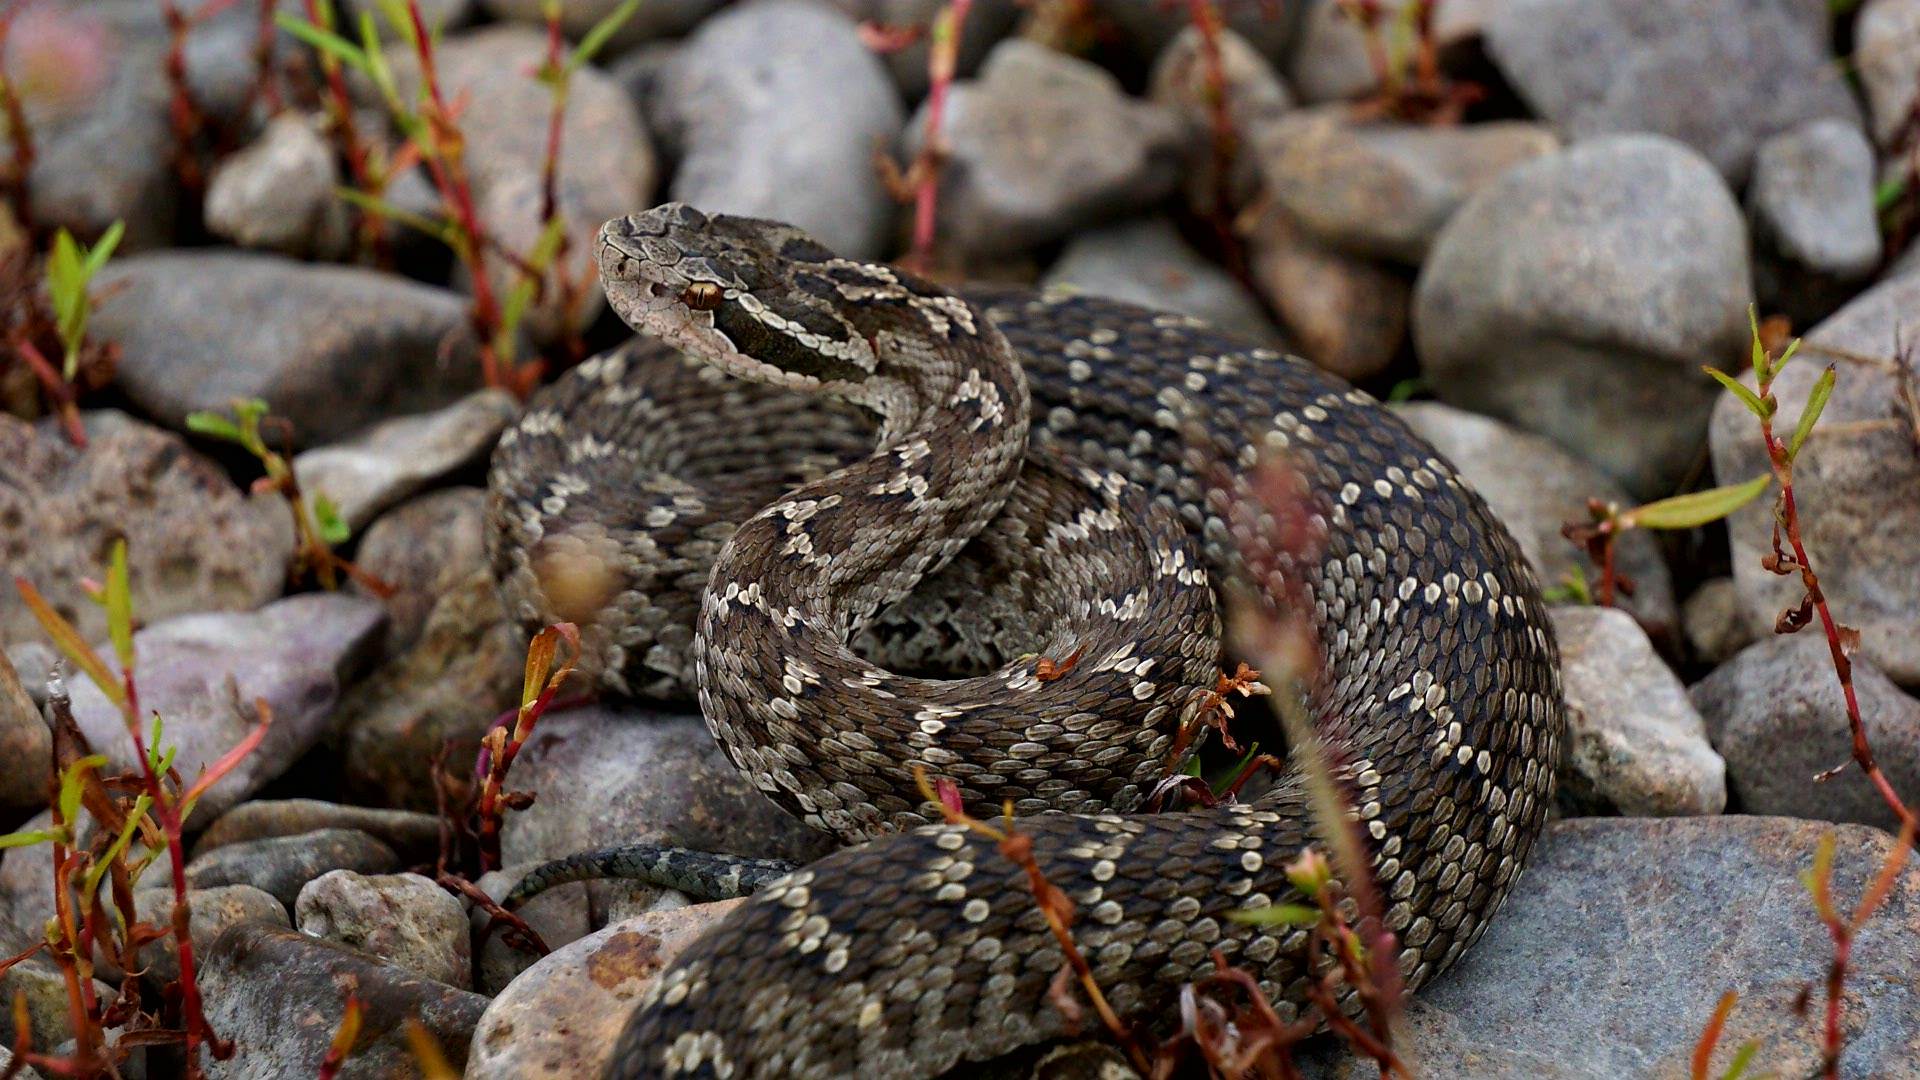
(340, 113)
(18, 132)
(1205, 16)
(556, 115)
(941, 62)
(182, 111)
(266, 35)
(57, 389)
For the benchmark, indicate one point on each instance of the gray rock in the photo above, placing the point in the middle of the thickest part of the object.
(415, 837)
(1330, 63)
(1634, 743)
(424, 549)
(1384, 190)
(1043, 144)
(1534, 488)
(559, 915)
(1347, 314)
(1856, 483)
(987, 22)
(209, 912)
(1600, 964)
(1254, 96)
(26, 885)
(279, 994)
(394, 459)
(1777, 715)
(278, 193)
(777, 109)
(653, 19)
(563, 1016)
(404, 919)
(1814, 223)
(49, 1019)
(202, 674)
(24, 742)
(606, 167)
(1146, 262)
(1684, 69)
(329, 348)
(1577, 296)
(606, 776)
(1716, 628)
(23, 1073)
(282, 865)
(1886, 53)
(195, 542)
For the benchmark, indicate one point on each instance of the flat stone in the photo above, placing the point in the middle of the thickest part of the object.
(1578, 295)
(416, 837)
(1634, 743)
(777, 108)
(404, 919)
(195, 541)
(1535, 487)
(279, 994)
(1347, 314)
(1147, 263)
(1815, 225)
(424, 549)
(1043, 144)
(1776, 712)
(1886, 53)
(282, 865)
(24, 742)
(329, 348)
(1856, 483)
(1384, 190)
(398, 457)
(563, 1016)
(1683, 69)
(278, 193)
(1609, 955)
(202, 674)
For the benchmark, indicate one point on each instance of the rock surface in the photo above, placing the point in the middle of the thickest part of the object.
(404, 919)
(563, 1016)
(1776, 713)
(1254, 97)
(1682, 69)
(278, 193)
(776, 109)
(415, 837)
(1815, 226)
(329, 348)
(1578, 295)
(1856, 483)
(202, 674)
(1146, 262)
(1347, 314)
(282, 865)
(424, 548)
(1634, 743)
(195, 541)
(398, 457)
(1886, 52)
(1042, 144)
(24, 742)
(1716, 628)
(987, 22)
(1582, 976)
(210, 912)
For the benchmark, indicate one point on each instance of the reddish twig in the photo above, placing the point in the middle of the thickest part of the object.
(19, 132)
(541, 683)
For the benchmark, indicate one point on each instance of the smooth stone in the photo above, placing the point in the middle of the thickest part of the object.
(278, 193)
(404, 919)
(1578, 295)
(1254, 96)
(1634, 743)
(1815, 226)
(1684, 70)
(398, 457)
(39, 980)
(651, 20)
(1346, 314)
(26, 885)
(1886, 53)
(987, 22)
(424, 549)
(1534, 488)
(1776, 713)
(1715, 625)
(209, 913)
(1041, 145)
(25, 742)
(1609, 955)
(415, 837)
(330, 348)
(195, 541)
(777, 109)
(606, 167)
(279, 995)
(560, 915)
(1384, 190)
(202, 674)
(1856, 482)
(282, 865)
(1145, 262)
(563, 1016)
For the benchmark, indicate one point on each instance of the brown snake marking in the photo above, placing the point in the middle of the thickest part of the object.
(912, 951)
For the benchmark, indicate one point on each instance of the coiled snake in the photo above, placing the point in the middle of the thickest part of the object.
(633, 492)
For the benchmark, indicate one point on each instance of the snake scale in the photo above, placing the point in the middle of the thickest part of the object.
(1068, 473)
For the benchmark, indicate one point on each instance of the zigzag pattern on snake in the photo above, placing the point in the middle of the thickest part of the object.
(765, 551)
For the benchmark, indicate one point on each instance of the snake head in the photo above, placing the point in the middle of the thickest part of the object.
(757, 298)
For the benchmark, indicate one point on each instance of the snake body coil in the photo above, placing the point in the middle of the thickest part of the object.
(619, 506)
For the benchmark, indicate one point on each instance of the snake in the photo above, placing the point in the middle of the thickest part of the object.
(887, 530)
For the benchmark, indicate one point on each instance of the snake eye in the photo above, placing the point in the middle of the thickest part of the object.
(701, 296)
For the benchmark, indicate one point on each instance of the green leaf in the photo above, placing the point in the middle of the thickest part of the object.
(28, 839)
(153, 744)
(215, 425)
(1889, 191)
(102, 249)
(73, 782)
(1697, 508)
(91, 883)
(373, 204)
(1758, 406)
(596, 38)
(325, 40)
(1742, 1058)
(1405, 389)
(1816, 402)
(1759, 351)
(1278, 915)
(120, 606)
(333, 528)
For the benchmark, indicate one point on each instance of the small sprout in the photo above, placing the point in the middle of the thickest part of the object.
(1695, 509)
(333, 528)
(1758, 406)
(1310, 873)
(1816, 402)
(71, 267)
